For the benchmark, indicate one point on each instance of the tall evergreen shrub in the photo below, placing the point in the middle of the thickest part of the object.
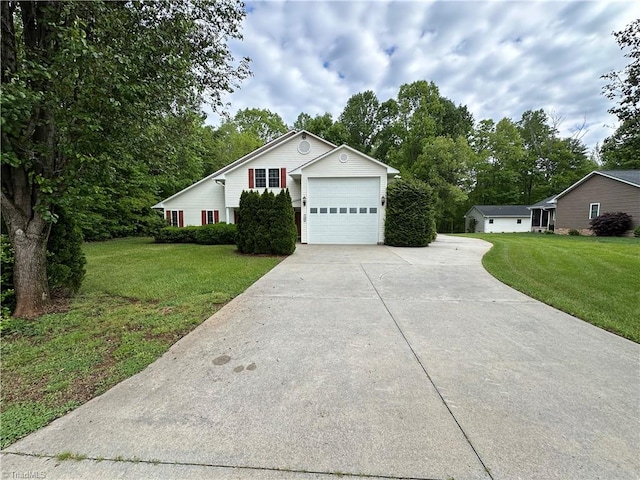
(266, 223)
(283, 231)
(247, 221)
(410, 219)
(266, 216)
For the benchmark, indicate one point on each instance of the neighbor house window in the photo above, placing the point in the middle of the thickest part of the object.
(491, 220)
(594, 210)
(519, 221)
(261, 178)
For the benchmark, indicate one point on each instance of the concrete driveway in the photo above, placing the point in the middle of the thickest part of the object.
(365, 361)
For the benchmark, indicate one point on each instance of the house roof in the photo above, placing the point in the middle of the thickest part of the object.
(296, 172)
(545, 204)
(630, 177)
(219, 174)
(502, 210)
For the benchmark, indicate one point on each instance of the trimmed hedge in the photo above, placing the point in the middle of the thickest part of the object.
(611, 224)
(266, 223)
(410, 220)
(212, 234)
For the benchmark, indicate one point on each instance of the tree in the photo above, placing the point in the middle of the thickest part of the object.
(360, 119)
(443, 165)
(324, 127)
(262, 123)
(80, 80)
(622, 149)
(624, 86)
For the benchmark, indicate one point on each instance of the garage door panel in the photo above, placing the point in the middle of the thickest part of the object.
(343, 210)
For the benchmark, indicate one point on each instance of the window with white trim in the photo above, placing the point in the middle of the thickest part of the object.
(261, 177)
(175, 222)
(519, 221)
(491, 220)
(274, 178)
(262, 180)
(594, 210)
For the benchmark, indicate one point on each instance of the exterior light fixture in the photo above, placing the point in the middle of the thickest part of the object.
(382, 200)
(304, 201)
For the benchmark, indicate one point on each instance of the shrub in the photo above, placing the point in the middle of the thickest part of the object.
(65, 259)
(574, 232)
(212, 234)
(7, 293)
(266, 223)
(282, 230)
(216, 234)
(611, 224)
(550, 232)
(636, 232)
(410, 220)
(248, 221)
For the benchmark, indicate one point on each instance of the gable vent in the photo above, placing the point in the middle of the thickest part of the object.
(343, 157)
(304, 147)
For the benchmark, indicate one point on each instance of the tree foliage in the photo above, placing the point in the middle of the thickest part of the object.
(81, 83)
(622, 149)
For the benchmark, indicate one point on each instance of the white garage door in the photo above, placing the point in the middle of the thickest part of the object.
(343, 210)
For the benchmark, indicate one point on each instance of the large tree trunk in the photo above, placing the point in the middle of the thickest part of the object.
(30, 269)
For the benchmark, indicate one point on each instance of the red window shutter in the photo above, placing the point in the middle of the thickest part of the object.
(181, 218)
(251, 178)
(168, 215)
(283, 178)
(216, 216)
(204, 217)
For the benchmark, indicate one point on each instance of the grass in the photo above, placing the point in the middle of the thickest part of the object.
(596, 279)
(137, 299)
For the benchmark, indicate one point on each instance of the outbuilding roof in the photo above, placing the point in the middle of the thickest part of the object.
(502, 210)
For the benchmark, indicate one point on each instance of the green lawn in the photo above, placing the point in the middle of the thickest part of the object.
(596, 279)
(138, 298)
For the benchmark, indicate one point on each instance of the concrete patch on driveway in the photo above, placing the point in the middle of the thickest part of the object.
(373, 361)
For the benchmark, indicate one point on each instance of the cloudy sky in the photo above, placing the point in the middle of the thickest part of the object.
(499, 58)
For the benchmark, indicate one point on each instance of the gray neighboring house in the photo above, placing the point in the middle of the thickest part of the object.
(543, 215)
(599, 192)
(498, 219)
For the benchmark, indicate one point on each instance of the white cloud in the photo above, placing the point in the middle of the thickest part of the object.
(499, 58)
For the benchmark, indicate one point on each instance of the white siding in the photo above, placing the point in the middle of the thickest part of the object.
(284, 155)
(356, 166)
(474, 213)
(507, 225)
(208, 195)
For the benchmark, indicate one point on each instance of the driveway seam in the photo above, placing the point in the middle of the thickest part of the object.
(424, 369)
(213, 465)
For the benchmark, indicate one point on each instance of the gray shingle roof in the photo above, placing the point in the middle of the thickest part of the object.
(546, 203)
(630, 176)
(503, 210)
